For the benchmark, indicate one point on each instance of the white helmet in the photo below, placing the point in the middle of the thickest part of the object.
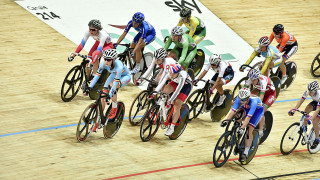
(244, 93)
(177, 31)
(264, 41)
(160, 53)
(254, 74)
(313, 86)
(110, 54)
(214, 59)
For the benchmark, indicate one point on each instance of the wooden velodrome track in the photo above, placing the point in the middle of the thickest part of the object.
(34, 63)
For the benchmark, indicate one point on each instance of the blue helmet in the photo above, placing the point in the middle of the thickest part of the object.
(138, 17)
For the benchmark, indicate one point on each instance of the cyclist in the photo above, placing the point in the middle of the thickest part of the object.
(103, 42)
(271, 53)
(254, 110)
(119, 77)
(287, 44)
(224, 74)
(266, 90)
(180, 85)
(197, 29)
(185, 48)
(145, 36)
(314, 92)
(162, 60)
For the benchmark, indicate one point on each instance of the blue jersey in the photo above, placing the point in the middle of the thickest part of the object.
(145, 29)
(253, 104)
(116, 73)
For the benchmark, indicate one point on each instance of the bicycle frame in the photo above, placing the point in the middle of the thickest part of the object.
(205, 89)
(127, 54)
(304, 116)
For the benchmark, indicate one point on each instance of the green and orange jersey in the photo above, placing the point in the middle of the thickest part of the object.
(285, 39)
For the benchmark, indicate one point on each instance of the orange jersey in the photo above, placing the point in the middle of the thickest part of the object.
(285, 39)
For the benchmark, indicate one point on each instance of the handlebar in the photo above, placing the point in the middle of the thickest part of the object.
(164, 95)
(245, 65)
(84, 57)
(302, 112)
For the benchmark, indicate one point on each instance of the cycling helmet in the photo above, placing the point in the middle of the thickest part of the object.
(138, 17)
(313, 86)
(95, 24)
(177, 31)
(160, 53)
(185, 12)
(278, 28)
(110, 54)
(214, 59)
(254, 74)
(264, 41)
(244, 94)
(175, 68)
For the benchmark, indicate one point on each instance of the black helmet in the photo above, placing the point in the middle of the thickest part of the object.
(185, 12)
(278, 28)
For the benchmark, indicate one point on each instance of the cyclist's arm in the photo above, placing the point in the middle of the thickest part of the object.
(162, 82)
(251, 57)
(123, 35)
(179, 87)
(83, 42)
(271, 37)
(168, 43)
(235, 106)
(97, 76)
(284, 41)
(266, 64)
(180, 22)
(184, 52)
(304, 96)
(116, 80)
(193, 26)
(149, 70)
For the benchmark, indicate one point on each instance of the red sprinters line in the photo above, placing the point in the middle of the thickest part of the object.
(192, 165)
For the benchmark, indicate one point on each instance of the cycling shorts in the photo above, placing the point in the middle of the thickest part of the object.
(314, 105)
(255, 117)
(185, 91)
(149, 38)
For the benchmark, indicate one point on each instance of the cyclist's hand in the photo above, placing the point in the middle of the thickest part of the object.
(115, 45)
(240, 131)
(241, 69)
(168, 104)
(195, 82)
(223, 123)
(291, 113)
(132, 54)
(71, 57)
(138, 82)
(87, 89)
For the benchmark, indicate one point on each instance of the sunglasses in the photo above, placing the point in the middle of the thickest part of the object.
(107, 59)
(92, 29)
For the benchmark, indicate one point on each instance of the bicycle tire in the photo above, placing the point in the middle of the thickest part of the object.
(291, 68)
(93, 94)
(199, 58)
(252, 152)
(191, 73)
(277, 84)
(88, 119)
(315, 67)
(72, 83)
(179, 129)
(267, 126)
(240, 85)
(295, 131)
(150, 123)
(148, 59)
(312, 137)
(194, 103)
(112, 128)
(227, 140)
(219, 112)
(141, 100)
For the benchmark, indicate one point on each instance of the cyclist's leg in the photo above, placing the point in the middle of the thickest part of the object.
(185, 91)
(200, 36)
(315, 124)
(312, 106)
(95, 65)
(189, 58)
(252, 124)
(289, 51)
(268, 100)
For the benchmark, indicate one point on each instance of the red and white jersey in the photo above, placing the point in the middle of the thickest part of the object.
(264, 84)
(167, 61)
(315, 97)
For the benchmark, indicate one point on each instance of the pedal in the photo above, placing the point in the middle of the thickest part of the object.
(303, 142)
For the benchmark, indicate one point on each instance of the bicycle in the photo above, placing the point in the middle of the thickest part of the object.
(126, 58)
(88, 119)
(199, 102)
(74, 79)
(291, 68)
(158, 116)
(294, 133)
(231, 138)
(141, 104)
(315, 65)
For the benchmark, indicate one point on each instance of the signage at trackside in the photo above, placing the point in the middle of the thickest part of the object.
(70, 18)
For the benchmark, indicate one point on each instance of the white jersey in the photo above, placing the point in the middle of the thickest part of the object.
(103, 36)
(315, 97)
(167, 61)
(182, 79)
(223, 65)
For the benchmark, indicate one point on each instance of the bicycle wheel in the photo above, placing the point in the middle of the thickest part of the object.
(87, 122)
(143, 66)
(267, 126)
(71, 83)
(219, 112)
(196, 102)
(277, 84)
(312, 137)
(139, 106)
(150, 123)
(290, 138)
(223, 149)
(183, 121)
(291, 72)
(253, 148)
(199, 61)
(93, 94)
(239, 85)
(258, 65)
(111, 128)
(191, 73)
(315, 66)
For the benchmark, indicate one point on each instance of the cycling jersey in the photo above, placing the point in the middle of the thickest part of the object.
(272, 53)
(146, 31)
(102, 38)
(285, 39)
(264, 84)
(196, 28)
(119, 73)
(186, 43)
(253, 107)
(166, 62)
(224, 71)
(315, 97)
(182, 79)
